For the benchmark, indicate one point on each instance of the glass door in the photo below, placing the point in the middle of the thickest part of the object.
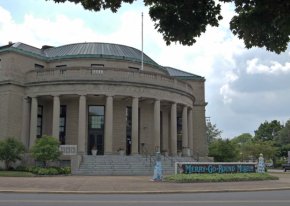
(96, 129)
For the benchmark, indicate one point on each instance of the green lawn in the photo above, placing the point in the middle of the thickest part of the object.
(15, 174)
(235, 177)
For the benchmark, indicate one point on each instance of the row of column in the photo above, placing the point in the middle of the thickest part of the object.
(187, 140)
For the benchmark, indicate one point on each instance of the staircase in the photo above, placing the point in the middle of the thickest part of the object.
(126, 165)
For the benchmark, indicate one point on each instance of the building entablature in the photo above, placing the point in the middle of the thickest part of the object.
(108, 76)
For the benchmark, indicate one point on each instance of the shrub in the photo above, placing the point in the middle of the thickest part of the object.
(11, 150)
(46, 149)
(231, 177)
(49, 170)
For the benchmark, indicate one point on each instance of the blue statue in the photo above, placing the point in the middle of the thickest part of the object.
(158, 168)
(261, 164)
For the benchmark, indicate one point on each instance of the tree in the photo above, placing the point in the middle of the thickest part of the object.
(223, 151)
(46, 149)
(283, 136)
(268, 131)
(242, 139)
(254, 149)
(11, 150)
(261, 23)
(212, 132)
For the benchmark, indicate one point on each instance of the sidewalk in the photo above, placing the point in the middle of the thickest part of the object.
(130, 185)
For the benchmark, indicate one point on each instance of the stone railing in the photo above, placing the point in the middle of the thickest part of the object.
(105, 74)
(68, 149)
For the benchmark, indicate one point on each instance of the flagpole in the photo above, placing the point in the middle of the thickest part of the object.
(142, 64)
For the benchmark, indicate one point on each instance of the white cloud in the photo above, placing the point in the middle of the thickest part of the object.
(226, 91)
(5, 16)
(253, 67)
(39, 31)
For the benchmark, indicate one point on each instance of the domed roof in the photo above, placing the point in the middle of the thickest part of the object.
(103, 50)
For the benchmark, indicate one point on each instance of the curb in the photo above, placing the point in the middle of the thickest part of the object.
(143, 192)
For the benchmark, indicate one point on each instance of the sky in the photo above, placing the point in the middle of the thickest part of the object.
(244, 87)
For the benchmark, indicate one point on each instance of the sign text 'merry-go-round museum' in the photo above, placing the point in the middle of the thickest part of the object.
(191, 167)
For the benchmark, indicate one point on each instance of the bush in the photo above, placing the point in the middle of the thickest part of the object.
(231, 177)
(46, 149)
(49, 170)
(278, 163)
(11, 150)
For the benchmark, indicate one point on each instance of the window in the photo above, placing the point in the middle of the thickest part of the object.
(96, 120)
(96, 128)
(97, 65)
(135, 68)
(179, 133)
(38, 66)
(62, 124)
(128, 130)
(39, 120)
(62, 65)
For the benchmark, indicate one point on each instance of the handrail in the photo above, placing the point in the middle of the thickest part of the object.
(169, 158)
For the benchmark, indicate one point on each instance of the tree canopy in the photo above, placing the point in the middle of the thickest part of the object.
(11, 150)
(46, 149)
(268, 130)
(212, 132)
(283, 136)
(223, 150)
(259, 23)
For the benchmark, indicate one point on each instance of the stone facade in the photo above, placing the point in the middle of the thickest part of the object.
(141, 111)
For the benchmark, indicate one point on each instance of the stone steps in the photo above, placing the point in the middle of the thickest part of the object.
(125, 165)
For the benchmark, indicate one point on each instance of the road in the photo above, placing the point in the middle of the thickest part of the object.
(271, 198)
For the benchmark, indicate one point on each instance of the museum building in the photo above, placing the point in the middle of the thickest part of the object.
(100, 95)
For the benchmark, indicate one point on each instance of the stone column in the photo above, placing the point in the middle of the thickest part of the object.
(25, 122)
(157, 125)
(190, 131)
(135, 123)
(173, 129)
(165, 131)
(55, 117)
(109, 125)
(33, 121)
(184, 132)
(82, 124)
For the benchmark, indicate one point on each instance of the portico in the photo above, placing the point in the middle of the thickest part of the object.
(102, 120)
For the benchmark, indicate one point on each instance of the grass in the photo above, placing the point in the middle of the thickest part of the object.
(234, 177)
(15, 174)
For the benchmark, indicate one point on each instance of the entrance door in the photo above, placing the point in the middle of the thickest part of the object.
(96, 129)
(128, 130)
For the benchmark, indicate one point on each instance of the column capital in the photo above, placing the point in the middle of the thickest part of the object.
(27, 99)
